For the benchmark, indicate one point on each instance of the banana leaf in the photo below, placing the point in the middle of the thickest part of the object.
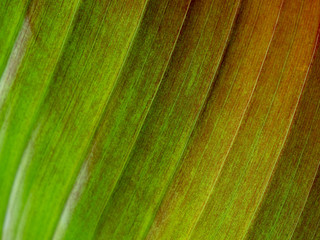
(147, 119)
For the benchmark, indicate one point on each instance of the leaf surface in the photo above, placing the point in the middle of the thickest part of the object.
(146, 119)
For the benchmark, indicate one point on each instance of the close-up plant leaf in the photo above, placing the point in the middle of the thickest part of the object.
(170, 119)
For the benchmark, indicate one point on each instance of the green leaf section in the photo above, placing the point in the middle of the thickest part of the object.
(292, 179)
(200, 48)
(147, 119)
(123, 117)
(242, 180)
(12, 13)
(82, 81)
(216, 127)
(25, 81)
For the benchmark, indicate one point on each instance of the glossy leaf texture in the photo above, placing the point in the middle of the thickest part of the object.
(147, 119)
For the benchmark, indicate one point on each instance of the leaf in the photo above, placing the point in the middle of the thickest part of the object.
(24, 83)
(145, 119)
(11, 17)
(153, 159)
(294, 172)
(48, 162)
